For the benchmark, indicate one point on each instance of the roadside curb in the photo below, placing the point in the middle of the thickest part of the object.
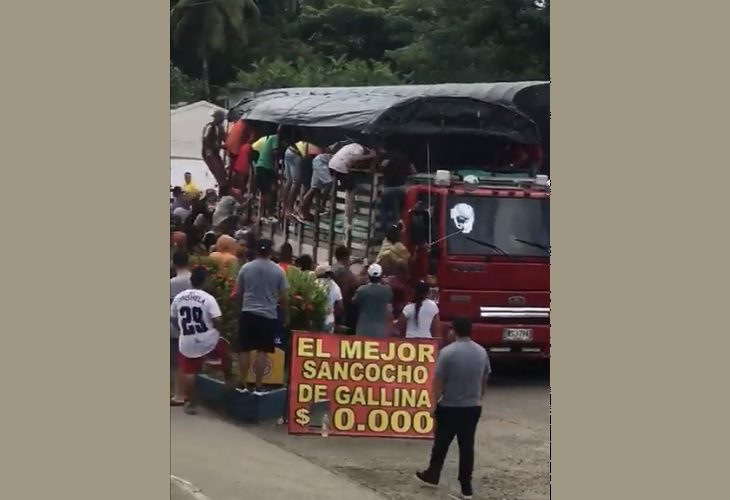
(240, 406)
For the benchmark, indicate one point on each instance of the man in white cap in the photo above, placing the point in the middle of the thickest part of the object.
(374, 303)
(334, 295)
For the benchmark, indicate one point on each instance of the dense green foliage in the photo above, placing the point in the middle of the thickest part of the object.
(254, 44)
(182, 87)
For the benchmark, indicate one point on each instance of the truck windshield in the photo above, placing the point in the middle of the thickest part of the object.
(519, 226)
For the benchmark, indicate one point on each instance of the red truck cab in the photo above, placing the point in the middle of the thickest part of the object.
(485, 249)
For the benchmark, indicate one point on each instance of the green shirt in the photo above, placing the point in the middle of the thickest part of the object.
(265, 147)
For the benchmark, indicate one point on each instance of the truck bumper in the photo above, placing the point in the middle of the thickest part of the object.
(491, 337)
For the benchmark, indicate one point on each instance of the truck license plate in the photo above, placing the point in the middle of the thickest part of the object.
(517, 335)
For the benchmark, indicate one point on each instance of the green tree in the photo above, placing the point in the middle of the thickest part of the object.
(182, 87)
(361, 31)
(315, 73)
(476, 40)
(341, 42)
(206, 25)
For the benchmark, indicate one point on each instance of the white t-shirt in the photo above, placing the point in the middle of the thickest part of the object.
(340, 161)
(195, 311)
(334, 294)
(429, 309)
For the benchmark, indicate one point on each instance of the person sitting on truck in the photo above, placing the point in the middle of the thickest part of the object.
(373, 300)
(420, 318)
(392, 248)
(395, 168)
(346, 158)
(321, 183)
(298, 172)
(265, 173)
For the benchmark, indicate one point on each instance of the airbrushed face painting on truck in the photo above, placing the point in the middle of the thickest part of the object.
(475, 216)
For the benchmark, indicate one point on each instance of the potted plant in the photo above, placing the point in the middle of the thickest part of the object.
(307, 300)
(220, 284)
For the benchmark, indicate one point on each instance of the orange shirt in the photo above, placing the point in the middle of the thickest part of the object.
(237, 136)
(223, 258)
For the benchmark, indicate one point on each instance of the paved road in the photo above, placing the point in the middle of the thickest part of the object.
(230, 462)
(512, 446)
(226, 462)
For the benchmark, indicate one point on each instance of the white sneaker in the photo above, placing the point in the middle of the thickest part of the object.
(262, 392)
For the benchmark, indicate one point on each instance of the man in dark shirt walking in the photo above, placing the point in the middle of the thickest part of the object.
(462, 369)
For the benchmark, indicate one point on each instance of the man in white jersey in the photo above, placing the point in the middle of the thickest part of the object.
(198, 318)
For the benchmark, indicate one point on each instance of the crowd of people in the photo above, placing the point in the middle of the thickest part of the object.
(380, 301)
(374, 301)
(251, 164)
(298, 173)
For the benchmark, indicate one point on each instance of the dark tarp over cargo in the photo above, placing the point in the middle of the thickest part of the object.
(464, 109)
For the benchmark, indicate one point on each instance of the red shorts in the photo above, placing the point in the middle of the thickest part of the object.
(193, 366)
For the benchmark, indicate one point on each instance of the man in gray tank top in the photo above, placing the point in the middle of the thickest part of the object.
(462, 369)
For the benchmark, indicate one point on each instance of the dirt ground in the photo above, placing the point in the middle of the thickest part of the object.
(512, 452)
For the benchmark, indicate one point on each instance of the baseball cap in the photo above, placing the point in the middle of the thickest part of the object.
(322, 269)
(375, 271)
(264, 245)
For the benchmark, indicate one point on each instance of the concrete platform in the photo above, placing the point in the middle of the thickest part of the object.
(240, 406)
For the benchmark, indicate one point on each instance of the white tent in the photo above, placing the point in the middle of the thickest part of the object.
(186, 134)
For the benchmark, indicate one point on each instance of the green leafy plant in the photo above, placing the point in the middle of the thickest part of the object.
(184, 88)
(307, 300)
(307, 297)
(221, 284)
